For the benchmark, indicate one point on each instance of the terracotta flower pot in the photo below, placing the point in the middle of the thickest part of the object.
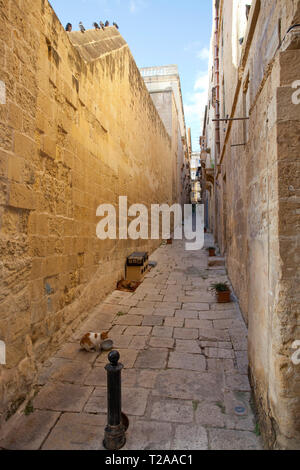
(212, 252)
(223, 297)
(170, 241)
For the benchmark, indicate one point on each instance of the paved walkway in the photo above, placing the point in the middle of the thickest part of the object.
(185, 383)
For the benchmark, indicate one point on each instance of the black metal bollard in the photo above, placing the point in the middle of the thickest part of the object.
(114, 437)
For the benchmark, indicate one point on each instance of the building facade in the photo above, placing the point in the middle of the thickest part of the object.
(196, 173)
(77, 129)
(250, 148)
(163, 84)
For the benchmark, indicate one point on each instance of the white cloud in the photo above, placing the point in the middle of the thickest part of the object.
(203, 54)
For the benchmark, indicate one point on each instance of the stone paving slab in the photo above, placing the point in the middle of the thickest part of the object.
(186, 314)
(186, 333)
(127, 357)
(189, 385)
(30, 431)
(149, 435)
(174, 411)
(190, 438)
(62, 397)
(152, 359)
(188, 346)
(186, 361)
(227, 439)
(184, 382)
(77, 431)
(162, 342)
(129, 320)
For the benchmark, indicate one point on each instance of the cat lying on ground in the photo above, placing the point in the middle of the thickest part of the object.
(92, 341)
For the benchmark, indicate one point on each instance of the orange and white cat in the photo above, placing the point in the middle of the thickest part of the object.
(92, 341)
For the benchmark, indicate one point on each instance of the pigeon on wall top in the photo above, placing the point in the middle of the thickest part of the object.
(115, 25)
(102, 25)
(106, 23)
(96, 26)
(81, 27)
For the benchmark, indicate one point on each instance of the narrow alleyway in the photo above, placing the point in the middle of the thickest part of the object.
(185, 383)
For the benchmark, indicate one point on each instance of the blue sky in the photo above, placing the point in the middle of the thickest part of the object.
(159, 32)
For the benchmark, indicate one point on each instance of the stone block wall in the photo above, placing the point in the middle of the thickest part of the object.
(78, 129)
(257, 204)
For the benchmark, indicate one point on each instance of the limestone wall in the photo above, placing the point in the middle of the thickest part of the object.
(78, 129)
(257, 204)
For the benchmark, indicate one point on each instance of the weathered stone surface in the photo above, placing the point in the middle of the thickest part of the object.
(226, 324)
(235, 381)
(60, 157)
(121, 341)
(210, 414)
(206, 324)
(185, 361)
(183, 333)
(189, 385)
(219, 353)
(139, 342)
(141, 311)
(173, 411)
(134, 401)
(146, 378)
(174, 322)
(162, 342)
(147, 435)
(72, 372)
(152, 359)
(217, 315)
(190, 438)
(164, 311)
(186, 314)
(138, 330)
(213, 335)
(195, 306)
(97, 402)
(62, 397)
(164, 382)
(221, 364)
(242, 361)
(30, 431)
(127, 358)
(153, 321)
(128, 320)
(77, 431)
(188, 346)
(225, 439)
(97, 377)
(49, 368)
(163, 331)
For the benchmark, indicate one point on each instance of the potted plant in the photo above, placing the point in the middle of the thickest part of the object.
(222, 291)
(212, 251)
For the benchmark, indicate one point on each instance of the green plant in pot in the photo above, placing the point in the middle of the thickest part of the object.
(222, 291)
(212, 251)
